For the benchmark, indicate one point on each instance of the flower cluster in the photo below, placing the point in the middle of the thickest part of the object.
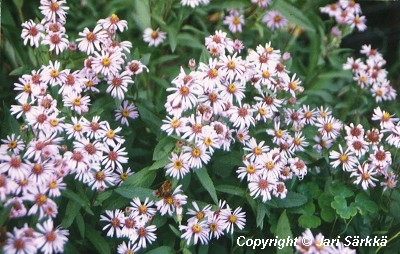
(347, 13)
(206, 223)
(366, 154)
(307, 243)
(50, 31)
(61, 136)
(209, 110)
(370, 75)
(134, 223)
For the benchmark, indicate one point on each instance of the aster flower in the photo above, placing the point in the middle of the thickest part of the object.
(387, 120)
(199, 214)
(113, 23)
(126, 111)
(115, 222)
(32, 32)
(18, 208)
(346, 158)
(18, 243)
(263, 185)
(54, 10)
(51, 240)
(329, 126)
(174, 124)
(77, 102)
(102, 179)
(52, 74)
(298, 167)
(153, 37)
(216, 226)
(191, 3)
(145, 210)
(195, 156)
(118, 85)
(250, 171)
(380, 157)
(56, 41)
(146, 235)
(242, 117)
(135, 67)
(178, 167)
(234, 21)
(124, 248)
(198, 231)
(91, 41)
(236, 218)
(12, 143)
(107, 64)
(16, 167)
(7, 186)
(257, 151)
(274, 20)
(114, 158)
(365, 175)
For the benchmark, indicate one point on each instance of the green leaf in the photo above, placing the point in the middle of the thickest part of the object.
(231, 190)
(292, 199)
(10, 124)
(159, 220)
(142, 14)
(160, 163)
(341, 190)
(163, 148)
(173, 35)
(226, 163)
(261, 211)
(283, 231)
(364, 204)
(164, 59)
(310, 189)
(189, 40)
(79, 221)
(309, 221)
(327, 212)
(97, 240)
(149, 117)
(20, 70)
(205, 55)
(130, 192)
(102, 196)
(162, 250)
(143, 178)
(70, 213)
(174, 230)
(344, 211)
(4, 214)
(294, 15)
(207, 183)
(78, 199)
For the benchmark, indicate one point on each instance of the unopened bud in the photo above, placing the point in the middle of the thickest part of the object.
(192, 64)
(179, 144)
(336, 32)
(23, 128)
(64, 148)
(286, 56)
(292, 100)
(72, 46)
